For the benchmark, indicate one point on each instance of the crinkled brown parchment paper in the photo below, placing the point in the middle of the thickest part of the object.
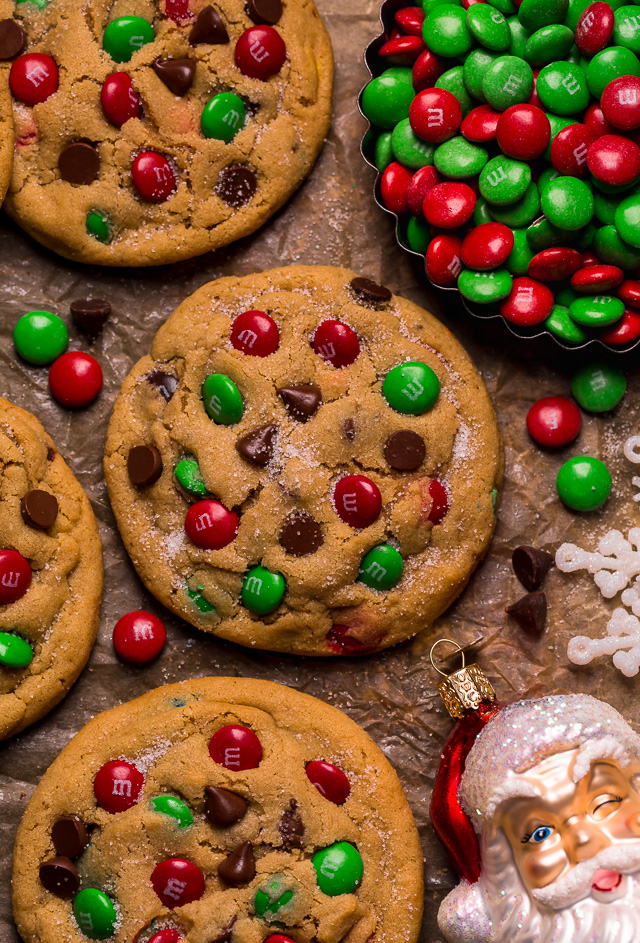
(332, 220)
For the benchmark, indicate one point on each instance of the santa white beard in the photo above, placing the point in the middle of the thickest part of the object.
(498, 908)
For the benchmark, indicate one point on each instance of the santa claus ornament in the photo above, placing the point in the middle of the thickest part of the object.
(538, 806)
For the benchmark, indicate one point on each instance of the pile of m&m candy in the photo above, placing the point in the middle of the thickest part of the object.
(507, 136)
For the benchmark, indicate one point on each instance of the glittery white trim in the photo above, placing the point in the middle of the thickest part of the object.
(606, 749)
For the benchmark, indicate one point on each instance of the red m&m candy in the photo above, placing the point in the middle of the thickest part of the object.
(569, 149)
(260, 52)
(528, 303)
(279, 938)
(435, 115)
(255, 333)
(554, 421)
(421, 182)
(168, 935)
(594, 118)
(402, 50)
(235, 747)
(487, 246)
(329, 780)
(410, 20)
(342, 642)
(33, 78)
(210, 525)
(15, 576)
(394, 187)
(629, 292)
(153, 176)
(449, 205)
(620, 102)
(597, 279)
(523, 131)
(624, 331)
(336, 343)
(614, 159)
(177, 882)
(75, 379)
(594, 28)
(440, 499)
(118, 99)
(139, 636)
(442, 263)
(117, 786)
(426, 70)
(554, 264)
(177, 10)
(357, 501)
(481, 124)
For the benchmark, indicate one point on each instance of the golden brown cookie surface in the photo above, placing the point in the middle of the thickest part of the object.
(6, 136)
(50, 572)
(279, 470)
(73, 183)
(262, 793)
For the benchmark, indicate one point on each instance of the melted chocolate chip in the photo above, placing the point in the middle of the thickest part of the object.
(301, 535)
(236, 185)
(368, 292)
(208, 28)
(39, 509)
(69, 836)
(349, 429)
(530, 612)
(225, 935)
(239, 867)
(176, 74)
(257, 446)
(79, 163)
(223, 807)
(165, 383)
(405, 450)
(59, 876)
(11, 39)
(90, 315)
(301, 401)
(531, 565)
(264, 11)
(291, 827)
(144, 465)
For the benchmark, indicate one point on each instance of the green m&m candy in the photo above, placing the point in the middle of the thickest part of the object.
(222, 399)
(195, 595)
(542, 234)
(381, 568)
(627, 220)
(383, 153)
(575, 11)
(173, 807)
(15, 652)
(445, 31)
(567, 202)
(584, 483)
(126, 35)
(188, 474)
(521, 254)
(453, 81)
(548, 44)
(610, 64)
(481, 213)
(339, 869)
(411, 388)
(458, 158)
(534, 14)
(519, 37)
(598, 388)
(504, 180)
(272, 898)
(387, 98)
(520, 213)
(95, 914)
(485, 287)
(506, 7)
(508, 81)
(488, 27)
(418, 235)
(609, 247)
(262, 590)
(408, 148)
(596, 310)
(560, 324)
(223, 116)
(99, 226)
(474, 68)
(606, 205)
(40, 337)
(562, 88)
(626, 29)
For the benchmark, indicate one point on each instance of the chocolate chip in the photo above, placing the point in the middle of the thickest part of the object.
(223, 807)
(531, 565)
(51, 454)
(301, 535)
(301, 401)
(165, 383)
(177, 74)
(144, 465)
(39, 509)
(11, 39)
(208, 28)
(79, 163)
(239, 867)
(530, 612)
(225, 935)
(405, 450)
(60, 876)
(90, 315)
(264, 11)
(236, 185)
(70, 836)
(291, 827)
(257, 446)
(349, 429)
(368, 292)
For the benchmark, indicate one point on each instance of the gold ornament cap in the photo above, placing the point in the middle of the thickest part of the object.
(466, 688)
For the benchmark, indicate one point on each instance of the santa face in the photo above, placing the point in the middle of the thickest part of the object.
(562, 834)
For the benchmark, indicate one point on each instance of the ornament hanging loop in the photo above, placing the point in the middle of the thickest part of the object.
(466, 688)
(441, 641)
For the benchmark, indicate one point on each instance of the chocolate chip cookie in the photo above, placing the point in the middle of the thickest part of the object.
(304, 463)
(149, 131)
(50, 572)
(6, 133)
(219, 809)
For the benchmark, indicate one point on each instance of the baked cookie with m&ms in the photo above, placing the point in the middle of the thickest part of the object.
(50, 572)
(6, 131)
(149, 131)
(219, 809)
(304, 463)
